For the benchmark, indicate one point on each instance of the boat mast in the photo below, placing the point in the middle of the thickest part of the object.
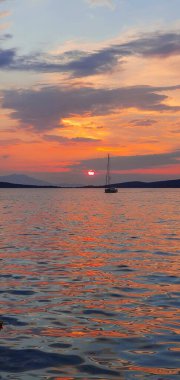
(108, 172)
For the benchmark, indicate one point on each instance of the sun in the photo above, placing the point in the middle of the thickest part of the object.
(91, 172)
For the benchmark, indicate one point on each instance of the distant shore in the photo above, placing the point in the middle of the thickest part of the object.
(133, 184)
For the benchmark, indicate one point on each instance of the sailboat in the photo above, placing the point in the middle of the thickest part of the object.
(108, 187)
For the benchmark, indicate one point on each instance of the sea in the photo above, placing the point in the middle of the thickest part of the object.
(89, 284)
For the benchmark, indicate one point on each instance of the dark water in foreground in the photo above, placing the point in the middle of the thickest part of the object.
(89, 284)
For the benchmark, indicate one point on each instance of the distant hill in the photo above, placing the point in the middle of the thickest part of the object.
(174, 183)
(23, 179)
(130, 185)
(7, 185)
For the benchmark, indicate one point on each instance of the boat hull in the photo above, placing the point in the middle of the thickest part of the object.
(111, 190)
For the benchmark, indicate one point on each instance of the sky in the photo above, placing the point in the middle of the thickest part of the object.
(81, 79)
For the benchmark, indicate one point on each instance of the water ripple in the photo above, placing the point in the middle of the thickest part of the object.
(90, 289)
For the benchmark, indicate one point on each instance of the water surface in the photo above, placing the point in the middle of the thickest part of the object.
(89, 284)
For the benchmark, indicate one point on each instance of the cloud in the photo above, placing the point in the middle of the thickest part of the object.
(5, 37)
(156, 44)
(63, 140)
(124, 163)
(95, 63)
(76, 63)
(7, 57)
(84, 63)
(105, 59)
(5, 156)
(143, 122)
(44, 109)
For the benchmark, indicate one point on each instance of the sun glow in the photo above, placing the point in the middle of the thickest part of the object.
(91, 172)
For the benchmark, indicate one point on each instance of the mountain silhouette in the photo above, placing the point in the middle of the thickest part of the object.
(175, 183)
(23, 179)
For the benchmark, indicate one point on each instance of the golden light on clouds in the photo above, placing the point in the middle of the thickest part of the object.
(79, 97)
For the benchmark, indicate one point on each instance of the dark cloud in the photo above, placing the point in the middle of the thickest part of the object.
(44, 109)
(5, 156)
(156, 44)
(6, 57)
(85, 139)
(160, 45)
(133, 162)
(76, 63)
(143, 122)
(83, 63)
(94, 63)
(63, 140)
(5, 37)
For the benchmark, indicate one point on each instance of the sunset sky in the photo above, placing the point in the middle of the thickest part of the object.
(83, 78)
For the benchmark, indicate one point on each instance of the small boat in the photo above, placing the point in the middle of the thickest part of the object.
(108, 187)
